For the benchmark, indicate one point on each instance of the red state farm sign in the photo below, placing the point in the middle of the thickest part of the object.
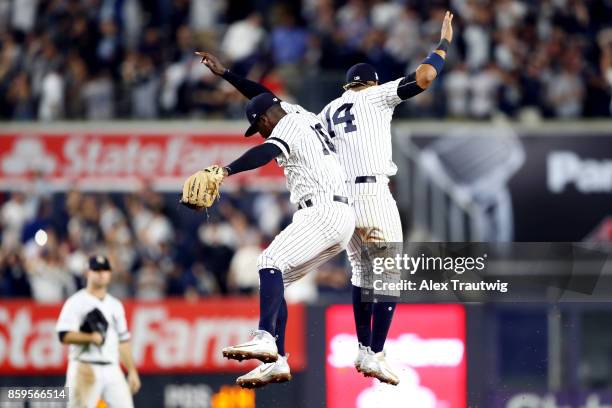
(167, 337)
(425, 346)
(123, 160)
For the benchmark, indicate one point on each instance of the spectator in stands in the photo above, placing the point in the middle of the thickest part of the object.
(150, 284)
(13, 276)
(242, 41)
(15, 213)
(50, 279)
(324, 37)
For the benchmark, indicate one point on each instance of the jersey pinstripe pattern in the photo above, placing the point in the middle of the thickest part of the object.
(308, 157)
(359, 123)
(313, 173)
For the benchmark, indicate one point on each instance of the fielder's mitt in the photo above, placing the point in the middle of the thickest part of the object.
(95, 322)
(201, 189)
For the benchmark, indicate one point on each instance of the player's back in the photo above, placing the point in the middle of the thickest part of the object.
(359, 124)
(308, 157)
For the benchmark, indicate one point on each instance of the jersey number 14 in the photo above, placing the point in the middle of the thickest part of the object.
(342, 115)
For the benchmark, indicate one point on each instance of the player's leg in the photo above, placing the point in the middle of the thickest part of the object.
(116, 391)
(388, 221)
(281, 325)
(382, 312)
(299, 242)
(279, 371)
(84, 384)
(362, 311)
(301, 247)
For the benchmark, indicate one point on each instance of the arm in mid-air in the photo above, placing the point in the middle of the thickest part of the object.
(253, 158)
(248, 88)
(428, 70)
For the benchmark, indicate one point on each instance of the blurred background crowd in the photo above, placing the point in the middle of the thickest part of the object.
(156, 247)
(106, 59)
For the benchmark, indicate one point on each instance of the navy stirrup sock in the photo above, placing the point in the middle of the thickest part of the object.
(383, 314)
(363, 317)
(281, 324)
(271, 292)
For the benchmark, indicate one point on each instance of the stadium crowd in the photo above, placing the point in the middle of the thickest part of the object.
(157, 248)
(105, 59)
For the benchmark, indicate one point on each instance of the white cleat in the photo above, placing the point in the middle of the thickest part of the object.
(261, 347)
(361, 355)
(266, 373)
(375, 365)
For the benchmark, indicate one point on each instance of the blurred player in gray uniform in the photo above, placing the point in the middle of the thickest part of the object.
(359, 125)
(320, 229)
(93, 323)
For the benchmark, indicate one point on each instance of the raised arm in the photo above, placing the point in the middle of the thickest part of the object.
(248, 88)
(428, 70)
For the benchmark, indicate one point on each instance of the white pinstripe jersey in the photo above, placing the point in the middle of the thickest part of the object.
(310, 164)
(359, 124)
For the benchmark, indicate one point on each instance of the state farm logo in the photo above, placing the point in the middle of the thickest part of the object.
(565, 168)
(159, 340)
(25, 343)
(28, 155)
(175, 342)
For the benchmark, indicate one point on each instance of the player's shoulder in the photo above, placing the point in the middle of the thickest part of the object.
(386, 86)
(292, 107)
(114, 301)
(77, 297)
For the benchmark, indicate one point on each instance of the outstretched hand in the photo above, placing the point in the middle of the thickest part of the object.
(211, 62)
(447, 27)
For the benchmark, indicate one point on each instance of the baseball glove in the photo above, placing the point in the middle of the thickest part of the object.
(201, 189)
(95, 322)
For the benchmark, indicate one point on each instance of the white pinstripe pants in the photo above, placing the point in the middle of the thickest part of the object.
(315, 235)
(377, 220)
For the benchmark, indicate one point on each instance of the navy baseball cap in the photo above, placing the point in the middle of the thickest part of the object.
(256, 107)
(361, 72)
(99, 263)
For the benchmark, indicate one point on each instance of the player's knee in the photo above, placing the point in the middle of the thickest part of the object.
(265, 261)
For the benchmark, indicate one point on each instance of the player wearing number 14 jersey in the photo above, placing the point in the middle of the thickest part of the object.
(359, 125)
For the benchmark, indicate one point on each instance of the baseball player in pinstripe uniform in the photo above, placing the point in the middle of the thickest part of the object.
(359, 125)
(320, 229)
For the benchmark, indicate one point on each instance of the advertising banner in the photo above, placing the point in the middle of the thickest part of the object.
(498, 183)
(173, 336)
(123, 160)
(426, 347)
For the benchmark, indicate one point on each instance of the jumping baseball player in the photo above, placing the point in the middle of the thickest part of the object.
(359, 124)
(320, 229)
(93, 323)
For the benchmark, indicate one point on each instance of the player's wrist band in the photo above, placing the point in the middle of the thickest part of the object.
(228, 169)
(435, 60)
(443, 45)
